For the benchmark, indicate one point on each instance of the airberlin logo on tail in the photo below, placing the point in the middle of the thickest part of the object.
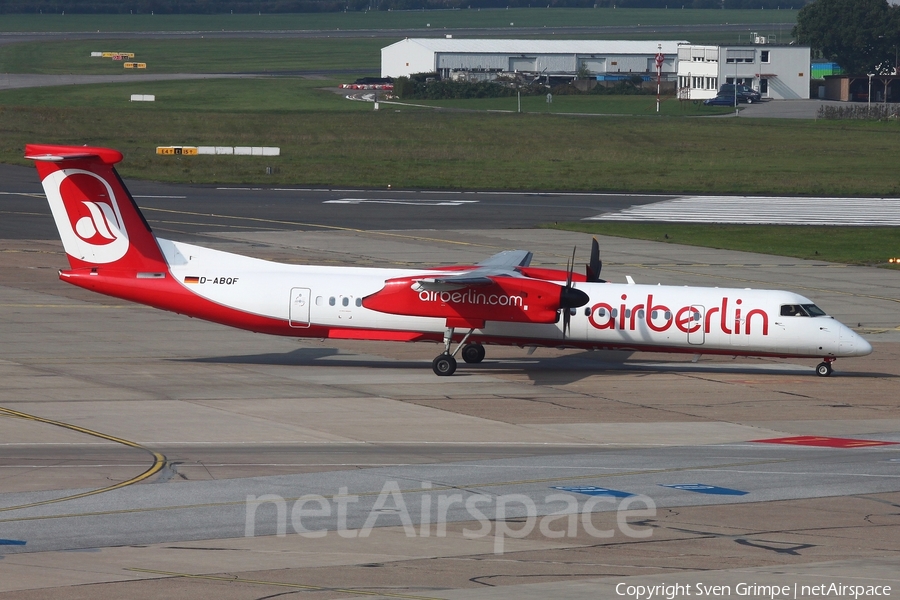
(87, 214)
(97, 228)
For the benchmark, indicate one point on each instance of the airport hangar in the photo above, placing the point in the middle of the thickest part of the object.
(777, 71)
(485, 59)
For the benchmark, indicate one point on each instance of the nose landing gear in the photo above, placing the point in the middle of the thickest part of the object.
(824, 369)
(444, 365)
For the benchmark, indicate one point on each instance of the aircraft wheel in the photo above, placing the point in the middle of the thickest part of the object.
(444, 365)
(823, 369)
(473, 353)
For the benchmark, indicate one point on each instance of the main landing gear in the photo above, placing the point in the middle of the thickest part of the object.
(445, 364)
(473, 353)
(824, 369)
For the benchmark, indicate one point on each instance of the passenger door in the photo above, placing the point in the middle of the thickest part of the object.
(299, 309)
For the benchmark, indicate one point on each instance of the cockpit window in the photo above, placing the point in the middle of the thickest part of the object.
(793, 310)
(813, 310)
(801, 310)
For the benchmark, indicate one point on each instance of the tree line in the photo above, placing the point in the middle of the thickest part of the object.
(161, 7)
(164, 7)
(863, 36)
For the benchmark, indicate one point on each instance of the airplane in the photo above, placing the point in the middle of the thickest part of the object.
(501, 300)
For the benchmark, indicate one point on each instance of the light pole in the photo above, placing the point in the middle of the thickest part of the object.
(869, 99)
(735, 87)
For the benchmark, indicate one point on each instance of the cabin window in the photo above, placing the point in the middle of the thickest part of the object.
(614, 313)
(640, 314)
(320, 300)
(331, 301)
(587, 311)
(359, 301)
(627, 313)
(601, 312)
(345, 301)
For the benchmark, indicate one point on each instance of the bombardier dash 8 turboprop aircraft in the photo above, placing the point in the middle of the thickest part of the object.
(501, 300)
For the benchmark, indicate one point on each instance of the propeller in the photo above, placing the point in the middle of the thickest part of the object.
(570, 297)
(595, 264)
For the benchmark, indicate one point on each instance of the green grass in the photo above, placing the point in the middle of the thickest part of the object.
(852, 245)
(195, 56)
(327, 140)
(437, 19)
(253, 95)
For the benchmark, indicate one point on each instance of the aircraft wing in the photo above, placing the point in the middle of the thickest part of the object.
(502, 264)
(509, 259)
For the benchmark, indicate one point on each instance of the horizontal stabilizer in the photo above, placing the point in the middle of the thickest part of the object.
(54, 153)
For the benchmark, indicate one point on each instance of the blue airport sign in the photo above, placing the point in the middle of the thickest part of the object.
(702, 488)
(592, 490)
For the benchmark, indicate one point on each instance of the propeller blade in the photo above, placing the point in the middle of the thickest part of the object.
(595, 264)
(570, 298)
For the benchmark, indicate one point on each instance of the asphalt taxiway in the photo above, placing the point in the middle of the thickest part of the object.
(528, 32)
(183, 211)
(138, 449)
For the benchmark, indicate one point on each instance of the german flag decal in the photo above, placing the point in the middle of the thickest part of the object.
(192, 280)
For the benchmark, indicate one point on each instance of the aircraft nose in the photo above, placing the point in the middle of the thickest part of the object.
(862, 346)
(854, 344)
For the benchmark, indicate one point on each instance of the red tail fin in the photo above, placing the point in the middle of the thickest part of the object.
(98, 220)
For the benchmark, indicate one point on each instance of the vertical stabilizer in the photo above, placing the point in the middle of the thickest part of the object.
(98, 220)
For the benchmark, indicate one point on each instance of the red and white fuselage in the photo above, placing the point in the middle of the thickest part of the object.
(112, 251)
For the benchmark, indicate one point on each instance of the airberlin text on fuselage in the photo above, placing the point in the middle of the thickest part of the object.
(689, 319)
(471, 297)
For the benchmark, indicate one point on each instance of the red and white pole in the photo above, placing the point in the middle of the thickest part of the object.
(660, 57)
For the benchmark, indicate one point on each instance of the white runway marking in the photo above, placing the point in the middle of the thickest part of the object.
(404, 202)
(26, 194)
(769, 210)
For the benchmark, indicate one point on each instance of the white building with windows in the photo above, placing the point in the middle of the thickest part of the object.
(778, 72)
(561, 58)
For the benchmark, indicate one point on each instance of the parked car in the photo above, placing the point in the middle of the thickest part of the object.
(721, 101)
(745, 94)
